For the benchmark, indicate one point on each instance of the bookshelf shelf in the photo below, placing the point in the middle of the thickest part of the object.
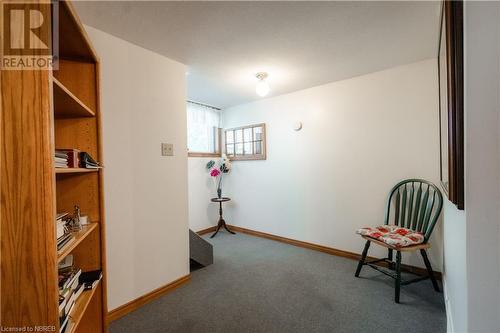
(79, 237)
(66, 104)
(81, 305)
(74, 170)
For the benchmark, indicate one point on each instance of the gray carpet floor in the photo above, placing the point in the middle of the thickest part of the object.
(259, 285)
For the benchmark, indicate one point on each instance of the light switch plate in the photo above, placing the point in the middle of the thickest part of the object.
(167, 149)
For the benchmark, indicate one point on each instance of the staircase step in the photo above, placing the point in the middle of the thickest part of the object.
(200, 250)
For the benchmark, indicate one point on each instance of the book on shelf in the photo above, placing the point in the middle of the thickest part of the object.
(90, 279)
(66, 265)
(62, 304)
(70, 304)
(60, 216)
(76, 292)
(64, 240)
(60, 160)
(69, 280)
(69, 326)
(72, 156)
(63, 324)
(87, 162)
(79, 290)
(61, 228)
(70, 289)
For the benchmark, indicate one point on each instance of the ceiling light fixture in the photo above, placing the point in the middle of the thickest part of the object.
(262, 87)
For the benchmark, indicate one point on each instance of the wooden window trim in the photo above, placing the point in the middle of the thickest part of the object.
(253, 157)
(196, 154)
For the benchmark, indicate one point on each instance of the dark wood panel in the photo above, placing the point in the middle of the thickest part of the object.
(451, 102)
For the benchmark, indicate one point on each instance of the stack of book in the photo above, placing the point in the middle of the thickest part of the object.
(72, 283)
(72, 156)
(70, 289)
(61, 159)
(64, 236)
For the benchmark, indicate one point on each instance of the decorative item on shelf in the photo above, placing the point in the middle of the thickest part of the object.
(84, 220)
(75, 224)
(217, 171)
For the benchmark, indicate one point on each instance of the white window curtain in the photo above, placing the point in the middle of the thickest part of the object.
(203, 124)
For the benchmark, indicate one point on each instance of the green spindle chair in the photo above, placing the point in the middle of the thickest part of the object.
(417, 204)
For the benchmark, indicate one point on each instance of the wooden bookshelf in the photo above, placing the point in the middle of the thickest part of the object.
(75, 86)
(42, 111)
(74, 170)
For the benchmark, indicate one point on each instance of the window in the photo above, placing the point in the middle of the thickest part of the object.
(246, 143)
(203, 123)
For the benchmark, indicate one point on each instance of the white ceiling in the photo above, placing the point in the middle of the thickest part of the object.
(300, 44)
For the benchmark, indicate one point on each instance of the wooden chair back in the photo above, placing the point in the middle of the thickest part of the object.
(416, 204)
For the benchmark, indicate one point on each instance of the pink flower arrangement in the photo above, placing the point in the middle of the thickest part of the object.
(217, 170)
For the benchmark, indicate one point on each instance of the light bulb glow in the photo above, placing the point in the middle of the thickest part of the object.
(262, 88)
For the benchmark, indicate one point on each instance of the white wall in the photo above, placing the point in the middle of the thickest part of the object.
(202, 213)
(360, 136)
(471, 241)
(143, 104)
(455, 267)
(482, 205)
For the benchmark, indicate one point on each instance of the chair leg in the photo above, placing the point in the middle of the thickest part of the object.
(429, 269)
(398, 277)
(362, 260)
(389, 256)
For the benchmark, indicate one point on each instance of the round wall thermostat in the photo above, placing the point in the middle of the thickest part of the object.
(297, 126)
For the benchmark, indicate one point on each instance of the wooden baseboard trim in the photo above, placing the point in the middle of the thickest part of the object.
(326, 249)
(144, 299)
(206, 231)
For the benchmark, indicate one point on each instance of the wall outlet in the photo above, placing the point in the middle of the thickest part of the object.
(167, 149)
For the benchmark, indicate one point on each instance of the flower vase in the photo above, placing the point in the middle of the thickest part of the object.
(219, 193)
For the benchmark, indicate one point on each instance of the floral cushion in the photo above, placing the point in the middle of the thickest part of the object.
(393, 235)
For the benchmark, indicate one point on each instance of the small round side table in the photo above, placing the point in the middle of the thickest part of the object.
(221, 222)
